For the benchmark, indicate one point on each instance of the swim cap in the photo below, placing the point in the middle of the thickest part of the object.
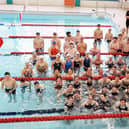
(58, 55)
(54, 42)
(77, 53)
(68, 55)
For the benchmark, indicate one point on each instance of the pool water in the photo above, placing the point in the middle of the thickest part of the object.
(15, 64)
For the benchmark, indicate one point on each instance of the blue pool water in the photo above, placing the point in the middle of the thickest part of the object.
(14, 64)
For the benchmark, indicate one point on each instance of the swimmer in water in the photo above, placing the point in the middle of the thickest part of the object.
(125, 81)
(98, 34)
(114, 71)
(41, 67)
(98, 61)
(121, 106)
(70, 73)
(126, 93)
(38, 43)
(56, 73)
(77, 84)
(89, 84)
(58, 84)
(57, 64)
(82, 47)
(34, 58)
(27, 71)
(90, 104)
(69, 92)
(24, 85)
(110, 63)
(104, 82)
(69, 105)
(9, 85)
(77, 99)
(124, 70)
(87, 73)
(115, 95)
(116, 82)
(104, 103)
(39, 89)
(77, 37)
(55, 38)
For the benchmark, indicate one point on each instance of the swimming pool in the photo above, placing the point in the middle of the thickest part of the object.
(14, 64)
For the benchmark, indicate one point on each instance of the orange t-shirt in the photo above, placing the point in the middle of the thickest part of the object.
(54, 51)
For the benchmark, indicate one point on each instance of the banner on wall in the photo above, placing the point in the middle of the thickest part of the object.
(9, 1)
(77, 3)
(72, 3)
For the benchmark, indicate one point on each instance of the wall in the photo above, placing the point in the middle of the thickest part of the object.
(2, 1)
(42, 2)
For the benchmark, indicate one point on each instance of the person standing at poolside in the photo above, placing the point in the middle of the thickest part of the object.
(127, 21)
(56, 39)
(68, 39)
(77, 38)
(109, 36)
(9, 85)
(38, 43)
(82, 47)
(98, 34)
(53, 50)
(71, 51)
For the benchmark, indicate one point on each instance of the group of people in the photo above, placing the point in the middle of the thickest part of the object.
(92, 94)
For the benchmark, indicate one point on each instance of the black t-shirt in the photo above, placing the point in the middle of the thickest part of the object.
(127, 14)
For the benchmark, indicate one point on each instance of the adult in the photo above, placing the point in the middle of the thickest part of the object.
(53, 50)
(39, 88)
(56, 39)
(9, 85)
(34, 58)
(77, 62)
(27, 71)
(114, 46)
(24, 85)
(77, 37)
(98, 34)
(38, 43)
(110, 63)
(122, 106)
(98, 61)
(71, 51)
(109, 36)
(57, 64)
(87, 62)
(68, 40)
(68, 63)
(95, 49)
(127, 21)
(82, 47)
(41, 66)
